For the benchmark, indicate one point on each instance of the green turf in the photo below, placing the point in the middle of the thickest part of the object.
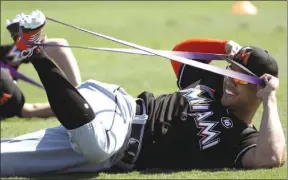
(158, 25)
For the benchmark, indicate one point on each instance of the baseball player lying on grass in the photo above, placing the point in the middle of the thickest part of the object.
(208, 123)
(12, 99)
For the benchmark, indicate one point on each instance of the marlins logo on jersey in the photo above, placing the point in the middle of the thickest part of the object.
(199, 99)
(208, 134)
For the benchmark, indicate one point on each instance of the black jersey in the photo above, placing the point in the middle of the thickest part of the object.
(11, 97)
(191, 129)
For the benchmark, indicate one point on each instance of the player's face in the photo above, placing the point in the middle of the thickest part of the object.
(236, 95)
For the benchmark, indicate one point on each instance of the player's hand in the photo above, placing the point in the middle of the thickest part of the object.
(232, 48)
(270, 87)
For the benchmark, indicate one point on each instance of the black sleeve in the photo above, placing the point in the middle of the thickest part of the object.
(11, 97)
(247, 141)
(190, 76)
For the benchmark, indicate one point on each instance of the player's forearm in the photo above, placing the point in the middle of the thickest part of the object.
(270, 150)
(42, 110)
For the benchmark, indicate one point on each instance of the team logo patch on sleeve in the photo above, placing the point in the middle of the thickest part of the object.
(227, 122)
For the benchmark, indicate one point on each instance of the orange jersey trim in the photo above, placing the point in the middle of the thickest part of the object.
(198, 45)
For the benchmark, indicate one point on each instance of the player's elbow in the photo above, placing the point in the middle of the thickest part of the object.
(273, 161)
(278, 159)
(27, 111)
(271, 158)
(281, 160)
(276, 162)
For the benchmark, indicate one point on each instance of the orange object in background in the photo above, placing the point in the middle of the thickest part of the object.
(244, 8)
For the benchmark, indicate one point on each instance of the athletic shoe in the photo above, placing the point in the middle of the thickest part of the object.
(30, 31)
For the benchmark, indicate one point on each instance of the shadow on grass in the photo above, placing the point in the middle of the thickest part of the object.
(164, 171)
(72, 176)
(78, 176)
(169, 171)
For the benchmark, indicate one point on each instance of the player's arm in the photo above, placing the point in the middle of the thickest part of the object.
(42, 110)
(12, 101)
(186, 75)
(270, 149)
(64, 58)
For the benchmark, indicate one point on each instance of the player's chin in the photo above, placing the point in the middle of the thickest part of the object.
(229, 100)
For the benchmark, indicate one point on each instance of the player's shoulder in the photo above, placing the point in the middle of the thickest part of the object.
(239, 126)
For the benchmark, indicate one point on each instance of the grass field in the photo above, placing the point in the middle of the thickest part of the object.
(159, 25)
